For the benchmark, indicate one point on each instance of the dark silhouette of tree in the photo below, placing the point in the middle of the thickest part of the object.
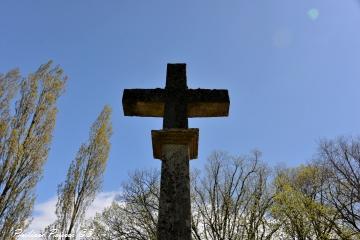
(341, 158)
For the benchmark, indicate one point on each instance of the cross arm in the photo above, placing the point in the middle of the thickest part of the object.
(144, 102)
(200, 102)
(207, 103)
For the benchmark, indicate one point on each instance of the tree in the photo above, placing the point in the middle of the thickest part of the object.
(83, 180)
(134, 214)
(27, 118)
(341, 157)
(233, 199)
(230, 201)
(301, 205)
(295, 206)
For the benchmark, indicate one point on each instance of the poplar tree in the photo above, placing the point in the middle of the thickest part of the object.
(83, 180)
(27, 119)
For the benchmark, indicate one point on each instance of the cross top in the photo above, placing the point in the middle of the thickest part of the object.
(176, 103)
(176, 77)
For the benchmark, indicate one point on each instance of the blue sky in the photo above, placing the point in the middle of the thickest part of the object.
(291, 67)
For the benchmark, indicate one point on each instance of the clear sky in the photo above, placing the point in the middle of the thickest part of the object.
(291, 67)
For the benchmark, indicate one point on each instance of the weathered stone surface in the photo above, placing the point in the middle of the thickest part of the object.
(175, 207)
(207, 103)
(188, 137)
(144, 102)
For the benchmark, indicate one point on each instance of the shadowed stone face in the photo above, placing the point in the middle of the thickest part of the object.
(200, 102)
(175, 145)
(175, 207)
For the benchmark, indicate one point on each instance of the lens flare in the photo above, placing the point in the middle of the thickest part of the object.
(313, 14)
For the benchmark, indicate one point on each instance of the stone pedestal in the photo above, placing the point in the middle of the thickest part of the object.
(175, 147)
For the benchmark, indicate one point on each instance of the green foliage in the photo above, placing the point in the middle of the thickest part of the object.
(25, 136)
(300, 204)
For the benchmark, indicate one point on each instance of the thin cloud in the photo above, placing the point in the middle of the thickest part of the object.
(44, 213)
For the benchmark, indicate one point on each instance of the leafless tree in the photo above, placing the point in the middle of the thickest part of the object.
(134, 215)
(342, 159)
(231, 200)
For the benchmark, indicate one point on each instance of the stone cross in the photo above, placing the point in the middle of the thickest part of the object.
(175, 144)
